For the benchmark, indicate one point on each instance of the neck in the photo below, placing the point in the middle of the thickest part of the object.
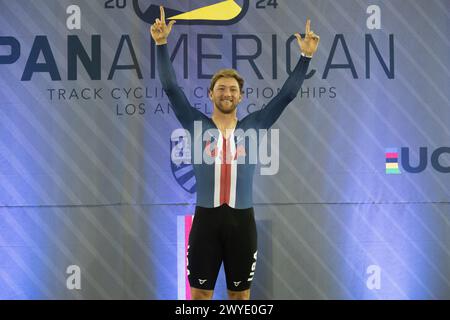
(224, 120)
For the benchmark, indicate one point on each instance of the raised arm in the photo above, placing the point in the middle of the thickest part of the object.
(180, 104)
(272, 111)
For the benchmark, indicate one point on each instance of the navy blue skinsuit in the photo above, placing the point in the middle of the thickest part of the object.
(226, 182)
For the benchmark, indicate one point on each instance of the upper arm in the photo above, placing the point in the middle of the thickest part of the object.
(267, 116)
(180, 104)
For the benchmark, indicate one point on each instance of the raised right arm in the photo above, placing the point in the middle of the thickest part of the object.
(180, 104)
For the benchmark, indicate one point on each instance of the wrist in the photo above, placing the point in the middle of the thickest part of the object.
(308, 55)
(161, 42)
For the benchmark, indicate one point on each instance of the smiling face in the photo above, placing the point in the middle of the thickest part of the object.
(226, 95)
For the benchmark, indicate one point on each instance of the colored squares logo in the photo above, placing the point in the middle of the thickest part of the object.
(392, 161)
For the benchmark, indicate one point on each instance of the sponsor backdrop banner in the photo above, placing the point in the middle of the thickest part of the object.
(92, 206)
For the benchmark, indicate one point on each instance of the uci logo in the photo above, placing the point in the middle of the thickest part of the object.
(220, 13)
(439, 160)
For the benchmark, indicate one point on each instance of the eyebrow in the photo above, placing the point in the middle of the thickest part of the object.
(224, 86)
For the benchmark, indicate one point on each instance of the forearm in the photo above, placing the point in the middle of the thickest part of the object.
(295, 80)
(165, 69)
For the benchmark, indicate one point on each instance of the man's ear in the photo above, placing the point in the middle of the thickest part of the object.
(210, 94)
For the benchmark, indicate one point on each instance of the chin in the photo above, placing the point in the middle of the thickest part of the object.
(227, 111)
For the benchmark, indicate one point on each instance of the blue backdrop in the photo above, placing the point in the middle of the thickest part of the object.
(359, 208)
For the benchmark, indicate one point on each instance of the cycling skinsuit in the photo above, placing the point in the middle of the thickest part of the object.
(225, 186)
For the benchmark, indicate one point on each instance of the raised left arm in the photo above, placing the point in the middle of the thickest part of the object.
(267, 116)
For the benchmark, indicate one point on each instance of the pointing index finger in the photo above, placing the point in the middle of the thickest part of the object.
(163, 15)
(308, 26)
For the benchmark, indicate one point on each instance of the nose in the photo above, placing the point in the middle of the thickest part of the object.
(229, 93)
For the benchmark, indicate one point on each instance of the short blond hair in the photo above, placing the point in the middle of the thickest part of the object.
(227, 73)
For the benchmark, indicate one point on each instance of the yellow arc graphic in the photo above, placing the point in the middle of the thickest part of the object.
(225, 10)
